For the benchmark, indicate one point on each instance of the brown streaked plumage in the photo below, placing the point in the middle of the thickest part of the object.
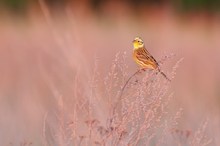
(143, 58)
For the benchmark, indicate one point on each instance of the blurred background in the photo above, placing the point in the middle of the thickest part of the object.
(44, 44)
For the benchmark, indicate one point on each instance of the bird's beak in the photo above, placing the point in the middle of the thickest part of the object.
(133, 41)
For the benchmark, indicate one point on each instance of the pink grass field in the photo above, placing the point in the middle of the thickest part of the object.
(61, 74)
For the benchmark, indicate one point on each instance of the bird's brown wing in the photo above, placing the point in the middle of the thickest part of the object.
(144, 56)
(150, 56)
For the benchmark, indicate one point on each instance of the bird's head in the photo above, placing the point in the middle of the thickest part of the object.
(138, 43)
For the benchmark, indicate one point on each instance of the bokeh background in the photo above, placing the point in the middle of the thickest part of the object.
(45, 44)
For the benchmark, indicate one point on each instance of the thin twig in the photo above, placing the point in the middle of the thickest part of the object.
(123, 88)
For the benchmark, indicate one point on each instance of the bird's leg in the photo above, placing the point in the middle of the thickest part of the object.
(141, 70)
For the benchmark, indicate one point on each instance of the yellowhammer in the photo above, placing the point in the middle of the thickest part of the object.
(143, 58)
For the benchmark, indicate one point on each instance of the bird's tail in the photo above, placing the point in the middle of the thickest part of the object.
(164, 75)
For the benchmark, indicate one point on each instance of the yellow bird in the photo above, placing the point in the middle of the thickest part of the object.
(143, 58)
